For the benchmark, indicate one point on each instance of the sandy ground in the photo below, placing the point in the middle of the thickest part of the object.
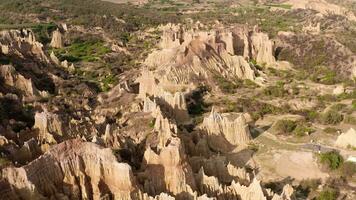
(297, 165)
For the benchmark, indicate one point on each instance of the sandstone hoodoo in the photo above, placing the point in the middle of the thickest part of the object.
(227, 129)
(164, 100)
(57, 39)
(190, 56)
(71, 170)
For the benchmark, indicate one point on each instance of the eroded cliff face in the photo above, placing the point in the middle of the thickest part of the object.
(140, 146)
(71, 170)
(188, 57)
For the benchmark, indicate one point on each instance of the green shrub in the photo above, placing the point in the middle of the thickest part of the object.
(339, 107)
(354, 104)
(328, 194)
(331, 117)
(276, 90)
(302, 130)
(333, 160)
(107, 81)
(284, 126)
(151, 124)
(310, 115)
(227, 86)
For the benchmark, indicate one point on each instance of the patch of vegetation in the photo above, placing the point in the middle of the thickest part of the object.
(90, 51)
(306, 187)
(276, 90)
(256, 108)
(302, 130)
(250, 84)
(333, 160)
(353, 104)
(43, 32)
(197, 106)
(328, 194)
(350, 120)
(330, 130)
(284, 6)
(107, 82)
(348, 169)
(324, 75)
(338, 107)
(310, 60)
(310, 115)
(227, 86)
(4, 162)
(89, 13)
(269, 21)
(288, 127)
(284, 126)
(151, 124)
(331, 117)
(283, 74)
(327, 98)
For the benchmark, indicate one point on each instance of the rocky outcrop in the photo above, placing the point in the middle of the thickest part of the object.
(346, 140)
(71, 170)
(168, 170)
(11, 78)
(262, 49)
(21, 44)
(226, 130)
(54, 128)
(218, 167)
(172, 105)
(165, 163)
(57, 40)
(190, 57)
(254, 191)
(49, 126)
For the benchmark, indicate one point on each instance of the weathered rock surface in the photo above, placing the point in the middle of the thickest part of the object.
(12, 78)
(71, 170)
(190, 57)
(226, 130)
(21, 44)
(347, 139)
(57, 40)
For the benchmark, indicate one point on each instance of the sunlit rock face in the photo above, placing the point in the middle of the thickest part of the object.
(228, 129)
(21, 44)
(72, 170)
(57, 39)
(347, 139)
